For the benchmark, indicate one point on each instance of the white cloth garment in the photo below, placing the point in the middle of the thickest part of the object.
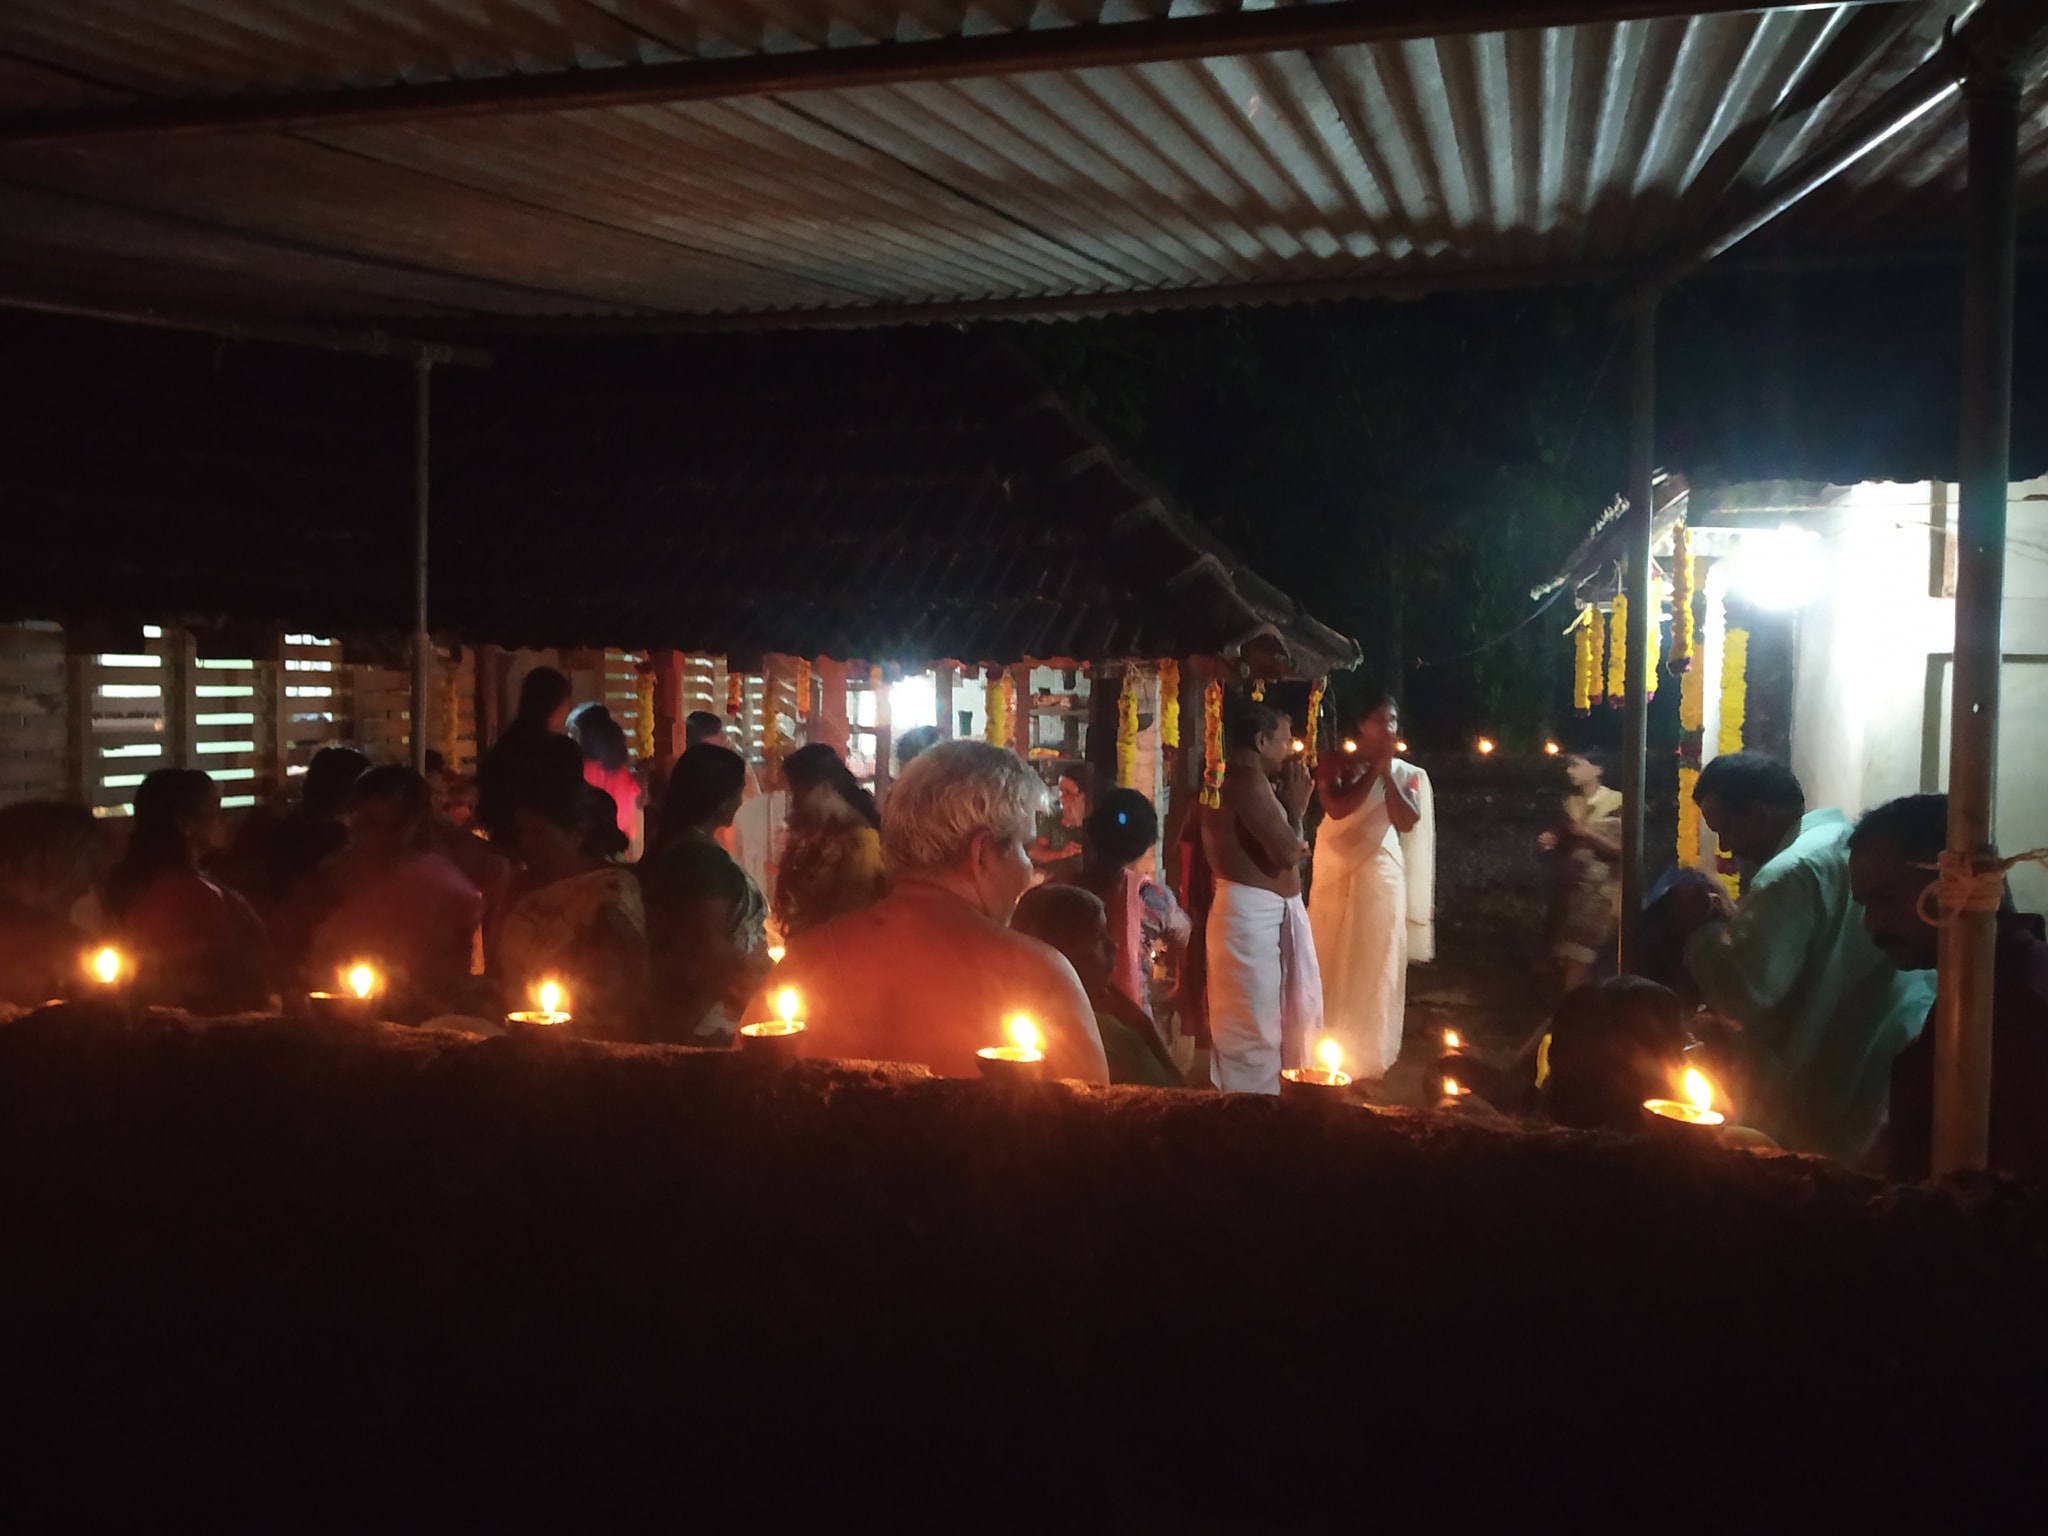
(757, 837)
(1373, 908)
(1265, 995)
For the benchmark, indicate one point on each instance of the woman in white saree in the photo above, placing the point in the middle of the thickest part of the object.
(1372, 902)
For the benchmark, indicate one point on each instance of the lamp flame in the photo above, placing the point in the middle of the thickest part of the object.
(107, 966)
(1485, 745)
(1331, 1055)
(775, 954)
(1452, 1088)
(550, 997)
(1699, 1093)
(1400, 746)
(1551, 749)
(1350, 746)
(1025, 1033)
(1453, 1041)
(362, 980)
(786, 1003)
(1300, 745)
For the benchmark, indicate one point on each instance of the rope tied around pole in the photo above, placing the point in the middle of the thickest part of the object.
(1964, 883)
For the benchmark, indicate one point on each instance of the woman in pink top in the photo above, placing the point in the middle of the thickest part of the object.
(195, 944)
(1121, 830)
(608, 765)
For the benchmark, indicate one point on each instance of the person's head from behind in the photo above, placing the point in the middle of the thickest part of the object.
(1379, 729)
(1074, 922)
(1892, 854)
(1122, 829)
(1753, 804)
(1585, 771)
(568, 828)
(544, 697)
(1073, 798)
(602, 738)
(387, 813)
(914, 743)
(1613, 1045)
(1256, 732)
(822, 787)
(702, 726)
(50, 855)
(177, 810)
(328, 778)
(705, 789)
(964, 816)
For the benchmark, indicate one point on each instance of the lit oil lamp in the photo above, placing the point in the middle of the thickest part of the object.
(1400, 746)
(782, 1039)
(356, 998)
(109, 978)
(1551, 749)
(775, 954)
(1021, 1062)
(1350, 745)
(1300, 746)
(106, 967)
(1453, 1042)
(1486, 746)
(1324, 1082)
(1693, 1117)
(1453, 1091)
(550, 1014)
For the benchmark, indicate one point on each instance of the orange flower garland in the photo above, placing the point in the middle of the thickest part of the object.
(994, 700)
(1315, 716)
(1688, 819)
(735, 694)
(803, 688)
(1212, 743)
(1684, 582)
(1585, 663)
(1653, 639)
(1169, 704)
(646, 721)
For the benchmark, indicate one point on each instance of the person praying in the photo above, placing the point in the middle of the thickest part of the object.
(50, 855)
(1264, 987)
(1373, 904)
(706, 919)
(1822, 1012)
(1073, 921)
(1892, 854)
(195, 944)
(932, 972)
(532, 760)
(832, 856)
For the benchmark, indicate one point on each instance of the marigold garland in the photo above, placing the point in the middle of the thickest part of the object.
(646, 721)
(993, 701)
(735, 694)
(1688, 819)
(1585, 661)
(1127, 731)
(1315, 717)
(1258, 690)
(1212, 744)
(1734, 690)
(803, 688)
(1653, 640)
(1692, 699)
(1596, 677)
(1169, 704)
(1617, 650)
(1684, 582)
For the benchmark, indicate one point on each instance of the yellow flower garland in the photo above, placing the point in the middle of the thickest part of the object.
(1585, 666)
(1692, 699)
(647, 714)
(803, 689)
(1212, 744)
(1315, 716)
(1688, 819)
(1653, 640)
(1259, 690)
(1127, 731)
(1734, 690)
(1169, 704)
(735, 693)
(996, 701)
(1596, 680)
(1684, 579)
(1617, 650)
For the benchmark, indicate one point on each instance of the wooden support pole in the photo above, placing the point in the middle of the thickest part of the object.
(1105, 690)
(669, 713)
(1636, 547)
(1962, 1021)
(422, 642)
(949, 719)
(1021, 717)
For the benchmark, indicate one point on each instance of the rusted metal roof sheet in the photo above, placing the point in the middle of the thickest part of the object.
(1546, 150)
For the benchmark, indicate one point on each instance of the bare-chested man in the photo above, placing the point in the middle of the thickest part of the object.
(932, 972)
(1265, 992)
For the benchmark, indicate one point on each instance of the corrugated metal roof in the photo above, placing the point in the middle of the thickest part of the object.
(1542, 149)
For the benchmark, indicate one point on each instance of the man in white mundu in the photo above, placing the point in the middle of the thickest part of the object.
(1373, 903)
(1264, 993)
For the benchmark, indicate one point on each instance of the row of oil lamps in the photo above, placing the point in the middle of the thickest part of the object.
(1021, 1060)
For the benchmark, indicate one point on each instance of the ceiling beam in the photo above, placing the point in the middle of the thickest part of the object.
(315, 338)
(1287, 29)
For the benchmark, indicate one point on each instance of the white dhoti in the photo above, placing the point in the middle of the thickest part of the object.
(1265, 993)
(1373, 913)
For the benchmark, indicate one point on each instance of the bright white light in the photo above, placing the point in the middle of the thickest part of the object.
(1777, 569)
(913, 702)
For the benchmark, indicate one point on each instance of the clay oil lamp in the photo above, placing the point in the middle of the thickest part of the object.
(1323, 1083)
(355, 1000)
(550, 1016)
(781, 1040)
(1020, 1062)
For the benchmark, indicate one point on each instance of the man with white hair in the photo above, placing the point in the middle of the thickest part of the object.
(932, 972)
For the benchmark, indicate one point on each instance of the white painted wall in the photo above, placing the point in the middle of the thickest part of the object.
(1870, 700)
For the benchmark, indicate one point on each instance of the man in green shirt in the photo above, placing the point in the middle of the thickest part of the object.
(1823, 1012)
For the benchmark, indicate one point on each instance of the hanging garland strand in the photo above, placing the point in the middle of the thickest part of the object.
(1617, 650)
(803, 688)
(1315, 718)
(646, 720)
(1169, 704)
(1212, 744)
(1127, 731)
(1585, 666)
(1653, 639)
(1684, 582)
(997, 729)
(1688, 819)
(1734, 690)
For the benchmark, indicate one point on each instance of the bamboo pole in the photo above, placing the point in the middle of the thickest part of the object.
(1962, 1040)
